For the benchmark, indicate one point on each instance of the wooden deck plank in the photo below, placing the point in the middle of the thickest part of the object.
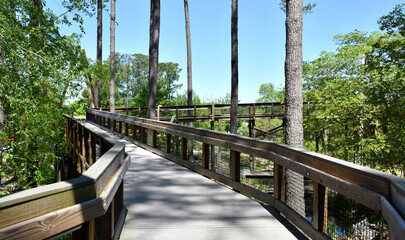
(168, 201)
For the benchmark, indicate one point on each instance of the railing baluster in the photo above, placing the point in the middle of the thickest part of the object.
(206, 156)
(320, 207)
(235, 166)
(168, 141)
(184, 148)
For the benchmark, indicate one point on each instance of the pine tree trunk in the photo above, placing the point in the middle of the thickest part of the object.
(99, 49)
(189, 61)
(154, 30)
(293, 100)
(112, 57)
(235, 80)
(153, 57)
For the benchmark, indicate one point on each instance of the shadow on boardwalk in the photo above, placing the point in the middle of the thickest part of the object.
(168, 201)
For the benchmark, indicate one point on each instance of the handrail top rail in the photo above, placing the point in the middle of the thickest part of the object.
(91, 176)
(279, 148)
(206, 106)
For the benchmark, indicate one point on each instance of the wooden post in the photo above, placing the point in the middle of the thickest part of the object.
(112, 211)
(154, 138)
(92, 149)
(320, 206)
(143, 135)
(139, 112)
(126, 129)
(120, 127)
(278, 182)
(235, 166)
(206, 156)
(213, 168)
(133, 131)
(195, 113)
(184, 148)
(158, 113)
(91, 230)
(212, 113)
(177, 114)
(83, 158)
(168, 140)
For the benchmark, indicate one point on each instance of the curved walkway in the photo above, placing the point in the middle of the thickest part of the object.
(168, 201)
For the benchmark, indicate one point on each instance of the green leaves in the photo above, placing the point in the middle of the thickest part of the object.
(360, 92)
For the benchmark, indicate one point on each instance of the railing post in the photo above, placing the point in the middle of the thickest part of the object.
(133, 131)
(206, 156)
(158, 113)
(120, 127)
(83, 158)
(279, 182)
(184, 148)
(143, 135)
(195, 113)
(235, 166)
(168, 140)
(154, 138)
(320, 206)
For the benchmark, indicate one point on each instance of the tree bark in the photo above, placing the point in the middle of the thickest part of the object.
(153, 56)
(112, 57)
(293, 100)
(189, 60)
(99, 48)
(235, 77)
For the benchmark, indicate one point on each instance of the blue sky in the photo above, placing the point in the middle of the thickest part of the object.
(261, 37)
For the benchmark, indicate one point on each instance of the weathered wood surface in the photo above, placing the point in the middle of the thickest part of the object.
(167, 201)
(362, 184)
(250, 111)
(48, 210)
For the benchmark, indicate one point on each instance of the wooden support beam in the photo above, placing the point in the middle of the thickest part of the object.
(168, 141)
(154, 138)
(235, 166)
(206, 156)
(184, 148)
(143, 135)
(320, 207)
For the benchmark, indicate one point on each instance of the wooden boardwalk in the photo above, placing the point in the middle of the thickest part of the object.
(168, 201)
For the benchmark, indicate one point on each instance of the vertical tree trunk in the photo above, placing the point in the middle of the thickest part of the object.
(189, 61)
(112, 57)
(235, 80)
(154, 30)
(293, 99)
(189, 75)
(99, 48)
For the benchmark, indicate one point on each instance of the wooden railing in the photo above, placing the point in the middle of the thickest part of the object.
(214, 112)
(381, 192)
(89, 206)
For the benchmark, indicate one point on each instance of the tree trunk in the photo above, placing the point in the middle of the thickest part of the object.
(235, 80)
(294, 135)
(189, 61)
(112, 57)
(154, 30)
(189, 76)
(99, 48)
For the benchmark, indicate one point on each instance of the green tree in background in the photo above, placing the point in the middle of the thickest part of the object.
(360, 92)
(40, 68)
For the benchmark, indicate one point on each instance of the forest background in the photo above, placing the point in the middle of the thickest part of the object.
(358, 90)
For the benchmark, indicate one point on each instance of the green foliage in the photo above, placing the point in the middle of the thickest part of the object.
(268, 93)
(360, 92)
(39, 69)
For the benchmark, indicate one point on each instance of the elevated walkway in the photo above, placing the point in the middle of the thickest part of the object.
(168, 201)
